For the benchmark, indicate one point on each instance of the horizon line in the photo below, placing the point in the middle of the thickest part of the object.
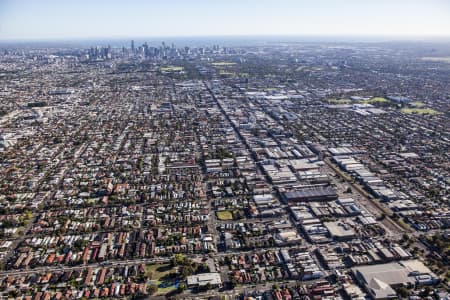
(300, 35)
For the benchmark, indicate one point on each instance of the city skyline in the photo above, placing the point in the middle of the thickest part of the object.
(48, 19)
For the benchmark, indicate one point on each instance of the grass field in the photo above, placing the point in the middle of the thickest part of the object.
(158, 274)
(92, 200)
(224, 215)
(171, 69)
(223, 64)
(270, 89)
(375, 100)
(159, 271)
(420, 111)
(225, 73)
(164, 288)
(417, 104)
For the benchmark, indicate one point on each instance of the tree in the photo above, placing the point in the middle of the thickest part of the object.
(181, 287)
(187, 271)
(203, 268)
(405, 237)
(28, 215)
(177, 259)
(426, 292)
(402, 292)
(152, 289)
(233, 282)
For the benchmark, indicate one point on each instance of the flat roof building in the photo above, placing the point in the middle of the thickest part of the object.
(340, 231)
(203, 279)
(310, 194)
(380, 280)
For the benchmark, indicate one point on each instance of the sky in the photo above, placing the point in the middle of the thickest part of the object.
(87, 19)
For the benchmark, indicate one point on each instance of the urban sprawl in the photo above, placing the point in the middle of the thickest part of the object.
(277, 171)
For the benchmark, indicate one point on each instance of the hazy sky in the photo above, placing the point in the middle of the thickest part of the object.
(49, 19)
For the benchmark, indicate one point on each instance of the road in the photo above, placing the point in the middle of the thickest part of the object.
(110, 263)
